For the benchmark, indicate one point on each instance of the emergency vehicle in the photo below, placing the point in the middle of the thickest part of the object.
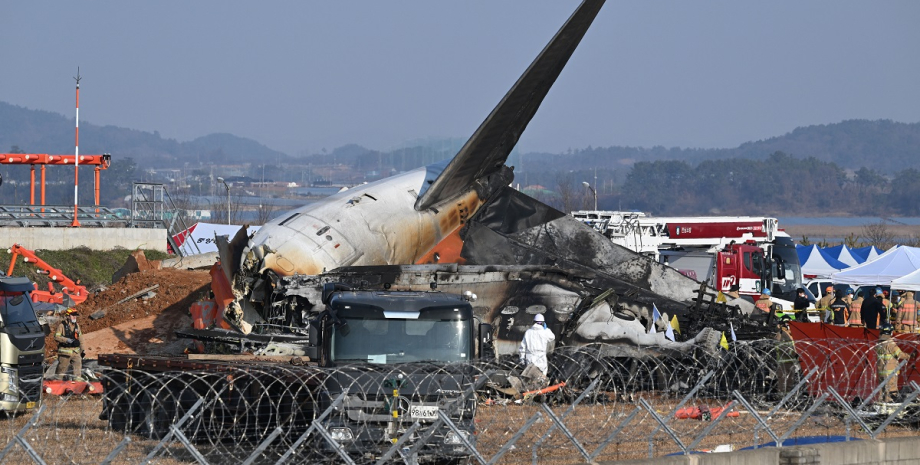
(749, 252)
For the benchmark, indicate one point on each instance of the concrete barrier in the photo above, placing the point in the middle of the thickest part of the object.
(894, 451)
(192, 262)
(93, 238)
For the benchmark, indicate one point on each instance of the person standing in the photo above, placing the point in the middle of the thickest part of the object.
(839, 309)
(907, 314)
(786, 357)
(887, 356)
(887, 314)
(70, 345)
(800, 306)
(824, 305)
(856, 311)
(534, 344)
(872, 309)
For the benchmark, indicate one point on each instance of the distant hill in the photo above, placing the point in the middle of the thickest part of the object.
(37, 131)
(882, 145)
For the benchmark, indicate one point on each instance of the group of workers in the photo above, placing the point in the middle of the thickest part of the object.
(889, 315)
(839, 307)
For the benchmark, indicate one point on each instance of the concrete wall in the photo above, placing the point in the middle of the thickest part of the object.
(94, 238)
(896, 451)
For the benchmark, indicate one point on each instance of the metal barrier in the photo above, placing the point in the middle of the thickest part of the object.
(610, 408)
(58, 216)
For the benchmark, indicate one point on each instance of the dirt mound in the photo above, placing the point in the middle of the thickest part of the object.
(177, 290)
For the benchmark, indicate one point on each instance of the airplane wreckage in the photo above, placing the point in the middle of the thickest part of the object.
(458, 227)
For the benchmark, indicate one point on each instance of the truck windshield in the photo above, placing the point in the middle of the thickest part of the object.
(791, 280)
(392, 340)
(16, 309)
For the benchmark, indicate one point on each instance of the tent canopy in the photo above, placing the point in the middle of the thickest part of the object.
(889, 266)
(817, 262)
(842, 253)
(909, 282)
(864, 254)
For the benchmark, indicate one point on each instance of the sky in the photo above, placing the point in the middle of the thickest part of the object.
(302, 76)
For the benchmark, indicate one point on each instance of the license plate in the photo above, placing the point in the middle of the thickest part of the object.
(30, 404)
(423, 412)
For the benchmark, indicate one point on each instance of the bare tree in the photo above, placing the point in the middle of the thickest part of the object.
(879, 235)
(852, 241)
(264, 211)
(567, 193)
(219, 210)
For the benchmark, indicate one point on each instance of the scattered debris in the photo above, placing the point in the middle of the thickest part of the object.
(135, 263)
(139, 294)
(176, 290)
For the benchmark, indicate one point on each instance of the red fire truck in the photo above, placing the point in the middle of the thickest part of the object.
(723, 251)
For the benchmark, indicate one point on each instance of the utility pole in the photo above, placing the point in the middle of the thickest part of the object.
(221, 180)
(593, 191)
(76, 155)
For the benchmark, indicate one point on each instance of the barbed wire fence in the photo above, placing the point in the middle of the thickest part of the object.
(601, 403)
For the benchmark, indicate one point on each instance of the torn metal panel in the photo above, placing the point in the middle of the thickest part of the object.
(515, 229)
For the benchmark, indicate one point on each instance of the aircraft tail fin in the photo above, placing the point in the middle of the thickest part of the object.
(488, 148)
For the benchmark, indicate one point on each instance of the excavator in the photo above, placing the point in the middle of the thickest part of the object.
(70, 293)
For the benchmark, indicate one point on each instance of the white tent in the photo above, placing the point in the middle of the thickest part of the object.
(842, 253)
(909, 282)
(889, 266)
(819, 263)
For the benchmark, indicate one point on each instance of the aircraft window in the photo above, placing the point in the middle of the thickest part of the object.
(535, 309)
(322, 230)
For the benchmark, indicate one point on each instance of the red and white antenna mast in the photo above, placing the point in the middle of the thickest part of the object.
(76, 158)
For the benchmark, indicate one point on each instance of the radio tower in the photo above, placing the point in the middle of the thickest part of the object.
(76, 158)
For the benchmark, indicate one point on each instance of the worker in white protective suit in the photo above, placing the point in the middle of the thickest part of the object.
(533, 346)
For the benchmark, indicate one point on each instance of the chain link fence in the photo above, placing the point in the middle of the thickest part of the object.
(599, 404)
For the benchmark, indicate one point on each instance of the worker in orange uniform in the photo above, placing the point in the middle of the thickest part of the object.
(764, 302)
(855, 310)
(906, 319)
(70, 345)
(888, 354)
(824, 305)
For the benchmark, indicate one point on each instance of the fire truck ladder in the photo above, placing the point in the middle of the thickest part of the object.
(151, 206)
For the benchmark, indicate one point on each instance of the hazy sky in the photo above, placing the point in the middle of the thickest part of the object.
(299, 75)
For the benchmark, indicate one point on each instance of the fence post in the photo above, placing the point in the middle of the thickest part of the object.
(568, 411)
(19, 439)
(169, 435)
(117, 450)
(517, 436)
(664, 425)
(303, 437)
(683, 401)
(615, 432)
